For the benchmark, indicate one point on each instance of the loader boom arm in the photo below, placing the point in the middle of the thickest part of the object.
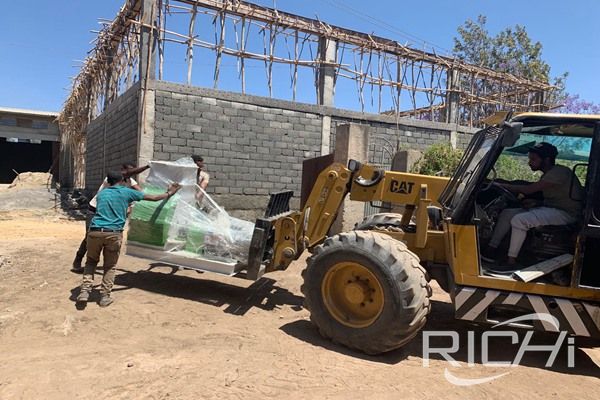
(296, 231)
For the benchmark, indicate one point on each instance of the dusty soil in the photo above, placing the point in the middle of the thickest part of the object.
(184, 335)
(29, 191)
(28, 180)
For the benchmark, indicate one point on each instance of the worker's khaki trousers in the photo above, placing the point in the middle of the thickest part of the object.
(108, 243)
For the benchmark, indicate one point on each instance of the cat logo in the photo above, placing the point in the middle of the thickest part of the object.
(402, 187)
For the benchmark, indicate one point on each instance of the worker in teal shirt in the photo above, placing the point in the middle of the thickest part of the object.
(106, 233)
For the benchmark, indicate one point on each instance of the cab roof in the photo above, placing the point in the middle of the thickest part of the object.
(580, 125)
(537, 118)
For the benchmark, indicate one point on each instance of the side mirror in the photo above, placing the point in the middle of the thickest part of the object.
(512, 132)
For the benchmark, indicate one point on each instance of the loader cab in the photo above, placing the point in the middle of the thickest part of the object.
(473, 200)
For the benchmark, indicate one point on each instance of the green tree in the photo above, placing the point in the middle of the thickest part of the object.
(511, 51)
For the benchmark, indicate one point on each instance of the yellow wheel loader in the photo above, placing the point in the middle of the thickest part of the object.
(369, 288)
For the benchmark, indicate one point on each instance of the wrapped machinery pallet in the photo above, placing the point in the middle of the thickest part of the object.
(189, 229)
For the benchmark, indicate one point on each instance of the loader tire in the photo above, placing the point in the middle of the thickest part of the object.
(382, 220)
(366, 291)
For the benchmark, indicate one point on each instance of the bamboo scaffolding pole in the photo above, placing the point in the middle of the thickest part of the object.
(295, 74)
(268, 15)
(190, 47)
(109, 67)
(219, 47)
(272, 39)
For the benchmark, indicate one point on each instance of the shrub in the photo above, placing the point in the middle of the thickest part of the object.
(439, 159)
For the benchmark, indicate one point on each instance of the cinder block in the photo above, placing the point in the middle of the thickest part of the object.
(193, 127)
(209, 100)
(230, 111)
(161, 156)
(195, 143)
(209, 115)
(221, 190)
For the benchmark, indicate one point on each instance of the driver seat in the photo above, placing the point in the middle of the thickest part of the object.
(553, 240)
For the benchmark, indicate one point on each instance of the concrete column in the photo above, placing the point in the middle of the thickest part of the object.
(452, 96)
(148, 42)
(147, 63)
(453, 139)
(351, 142)
(66, 166)
(147, 109)
(326, 88)
(325, 135)
(540, 101)
(403, 161)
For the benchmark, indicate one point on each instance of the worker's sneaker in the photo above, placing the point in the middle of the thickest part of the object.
(105, 300)
(489, 254)
(83, 297)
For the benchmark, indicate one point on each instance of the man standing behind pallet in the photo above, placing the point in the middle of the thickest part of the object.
(106, 233)
(202, 178)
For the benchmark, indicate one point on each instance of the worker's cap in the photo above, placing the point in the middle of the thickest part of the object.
(544, 150)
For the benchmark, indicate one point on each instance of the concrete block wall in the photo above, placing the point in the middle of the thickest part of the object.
(408, 136)
(254, 146)
(111, 138)
(250, 150)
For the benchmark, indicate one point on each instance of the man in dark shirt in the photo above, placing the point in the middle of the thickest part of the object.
(563, 195)
(106, 232)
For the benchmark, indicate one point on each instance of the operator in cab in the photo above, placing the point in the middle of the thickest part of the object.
(562, 205)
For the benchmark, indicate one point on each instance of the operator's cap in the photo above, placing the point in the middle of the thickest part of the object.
(544, 150)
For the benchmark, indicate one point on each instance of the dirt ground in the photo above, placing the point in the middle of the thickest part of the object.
(184, 335)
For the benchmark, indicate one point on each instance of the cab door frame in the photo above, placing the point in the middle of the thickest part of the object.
(591, 215)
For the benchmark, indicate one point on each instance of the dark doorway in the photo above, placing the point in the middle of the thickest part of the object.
(23, 157)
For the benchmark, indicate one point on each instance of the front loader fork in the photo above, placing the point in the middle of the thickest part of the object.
(261, 246)
(282, 235)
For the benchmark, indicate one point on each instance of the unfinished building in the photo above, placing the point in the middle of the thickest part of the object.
(260, 91)
(29, 141)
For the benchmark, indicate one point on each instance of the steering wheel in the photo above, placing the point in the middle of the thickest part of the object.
(510, 196)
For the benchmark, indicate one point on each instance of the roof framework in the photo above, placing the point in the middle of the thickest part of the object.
(388, 76)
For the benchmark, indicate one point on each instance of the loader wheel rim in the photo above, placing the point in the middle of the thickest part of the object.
(352, 294)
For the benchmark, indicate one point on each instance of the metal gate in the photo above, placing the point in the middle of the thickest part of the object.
(381, 154)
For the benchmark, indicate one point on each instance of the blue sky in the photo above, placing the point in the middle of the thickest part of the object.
(41, 41)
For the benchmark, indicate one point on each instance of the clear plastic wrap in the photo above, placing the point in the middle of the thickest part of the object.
(189, 226)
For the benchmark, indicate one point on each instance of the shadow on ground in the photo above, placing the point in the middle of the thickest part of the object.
(266, 295)
(442, 319)
(263, 294)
